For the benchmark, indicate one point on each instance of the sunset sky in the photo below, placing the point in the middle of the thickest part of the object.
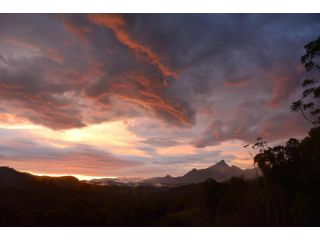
(144, 95)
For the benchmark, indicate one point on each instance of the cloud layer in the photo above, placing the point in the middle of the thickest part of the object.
(189, 82)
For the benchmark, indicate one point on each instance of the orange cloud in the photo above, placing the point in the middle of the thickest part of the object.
(11, 119)
(280, 91)
(50, 53)
(79, 31)
(150, 96)
(118, 25)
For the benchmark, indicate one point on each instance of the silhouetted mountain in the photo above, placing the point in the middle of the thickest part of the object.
(9, 176)
(219, 172)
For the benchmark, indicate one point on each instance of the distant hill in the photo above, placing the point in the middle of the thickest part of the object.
(219, 172)
(9, 176)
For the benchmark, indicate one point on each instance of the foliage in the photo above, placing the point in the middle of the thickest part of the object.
(308, 105)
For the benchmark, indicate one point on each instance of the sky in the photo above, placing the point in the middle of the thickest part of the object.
(141, 95)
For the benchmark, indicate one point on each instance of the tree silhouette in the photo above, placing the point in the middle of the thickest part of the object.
(291, 172)
(308, 105)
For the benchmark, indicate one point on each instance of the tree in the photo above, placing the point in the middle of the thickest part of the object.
(309, 104)
(280, 162)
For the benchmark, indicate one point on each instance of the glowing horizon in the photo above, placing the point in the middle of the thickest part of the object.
(79, 177)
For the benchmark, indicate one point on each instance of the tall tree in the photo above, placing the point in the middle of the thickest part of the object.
(309, 103)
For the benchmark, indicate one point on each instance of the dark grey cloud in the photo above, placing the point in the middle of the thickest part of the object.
(245, 128)
(30, 94)
(161, 142)
(188, 70)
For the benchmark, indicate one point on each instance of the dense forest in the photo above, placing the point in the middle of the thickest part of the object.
(287, 194)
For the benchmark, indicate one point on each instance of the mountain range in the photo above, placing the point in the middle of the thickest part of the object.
(220, 172)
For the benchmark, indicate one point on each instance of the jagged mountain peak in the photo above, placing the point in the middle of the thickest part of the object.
(219, 165)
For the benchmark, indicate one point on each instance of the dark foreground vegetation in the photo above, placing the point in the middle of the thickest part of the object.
(287, 195)
(67, 202)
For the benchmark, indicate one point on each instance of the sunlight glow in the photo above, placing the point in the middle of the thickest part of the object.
(177, 150)
(78, 176)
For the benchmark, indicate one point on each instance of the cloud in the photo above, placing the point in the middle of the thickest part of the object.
(142, 91)
(161, 142)
(33, 155)
(272, 128)
(283, 86)
(237, 82)
(71, 24)
(99, 77)
(172, 79)
(118, 25)
(25, 93)
(144, 85)
(118, 70)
